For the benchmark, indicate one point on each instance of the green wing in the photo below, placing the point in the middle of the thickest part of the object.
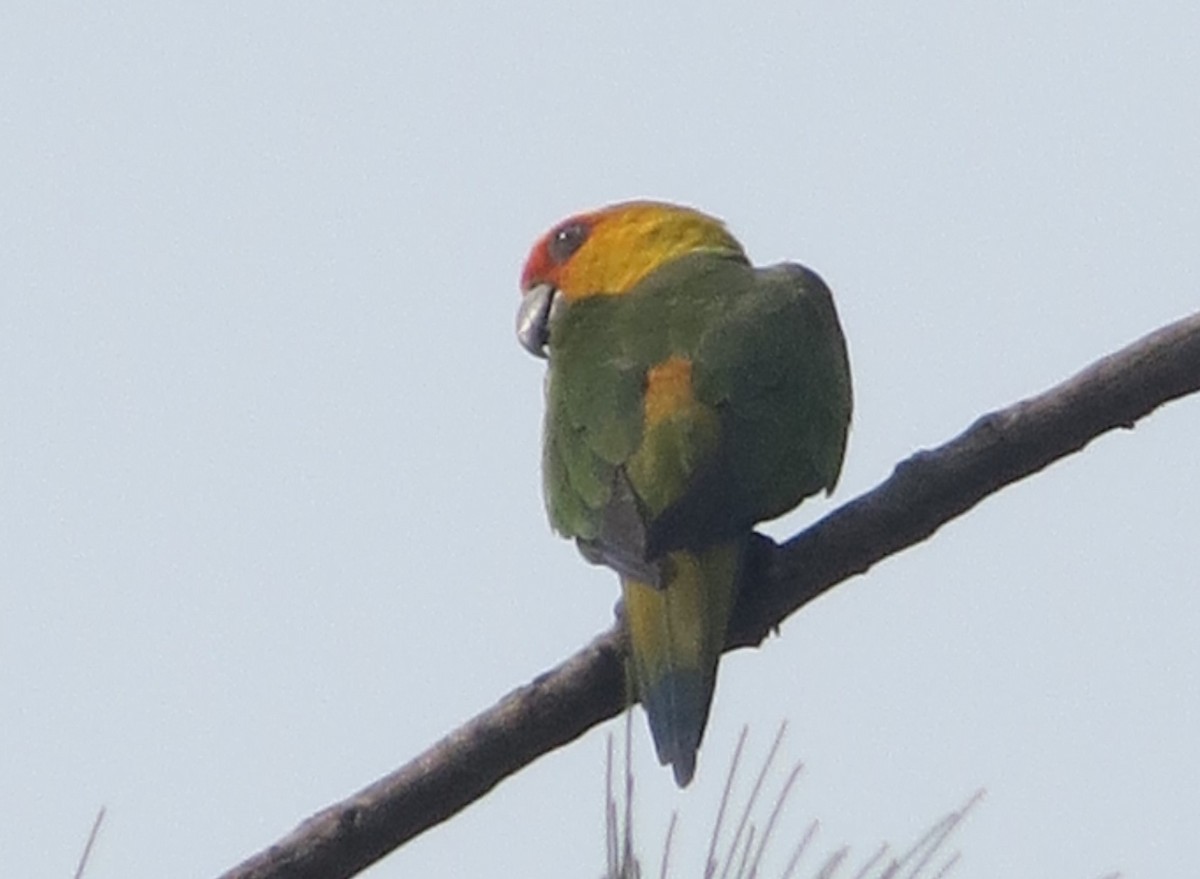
(775, 366)
(765, 428)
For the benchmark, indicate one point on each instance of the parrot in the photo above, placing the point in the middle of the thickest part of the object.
(688, 397)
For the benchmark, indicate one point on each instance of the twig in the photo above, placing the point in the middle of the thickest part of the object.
(91, 840)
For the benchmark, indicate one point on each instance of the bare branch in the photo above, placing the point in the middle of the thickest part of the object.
(923, 493)
(934, 486)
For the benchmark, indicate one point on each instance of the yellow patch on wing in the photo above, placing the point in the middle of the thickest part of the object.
(668, 390)
(678, 434)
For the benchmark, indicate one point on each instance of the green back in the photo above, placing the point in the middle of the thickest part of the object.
(770, 373)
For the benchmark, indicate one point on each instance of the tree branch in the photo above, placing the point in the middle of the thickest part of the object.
(933, 486)
(924, 492)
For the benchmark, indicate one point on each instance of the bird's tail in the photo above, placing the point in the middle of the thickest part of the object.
(676, 634)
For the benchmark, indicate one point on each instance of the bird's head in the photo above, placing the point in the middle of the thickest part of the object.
(605, 253)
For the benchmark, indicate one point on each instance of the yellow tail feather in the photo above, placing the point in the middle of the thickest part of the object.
(676, 635)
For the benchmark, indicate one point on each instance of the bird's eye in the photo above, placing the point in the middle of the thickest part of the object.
(566, 240)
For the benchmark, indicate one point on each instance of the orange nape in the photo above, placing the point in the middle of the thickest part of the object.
(606, 252)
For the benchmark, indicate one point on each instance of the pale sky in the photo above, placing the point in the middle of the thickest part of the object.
(270, 513)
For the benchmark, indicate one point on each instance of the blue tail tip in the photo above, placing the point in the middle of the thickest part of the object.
(677, 708)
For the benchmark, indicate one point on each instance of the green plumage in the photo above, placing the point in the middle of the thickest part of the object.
(769, 362)
(764, 427)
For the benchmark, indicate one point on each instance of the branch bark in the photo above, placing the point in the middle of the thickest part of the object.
(924, 492)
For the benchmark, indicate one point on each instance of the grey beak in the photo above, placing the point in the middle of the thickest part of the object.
(533, 319)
